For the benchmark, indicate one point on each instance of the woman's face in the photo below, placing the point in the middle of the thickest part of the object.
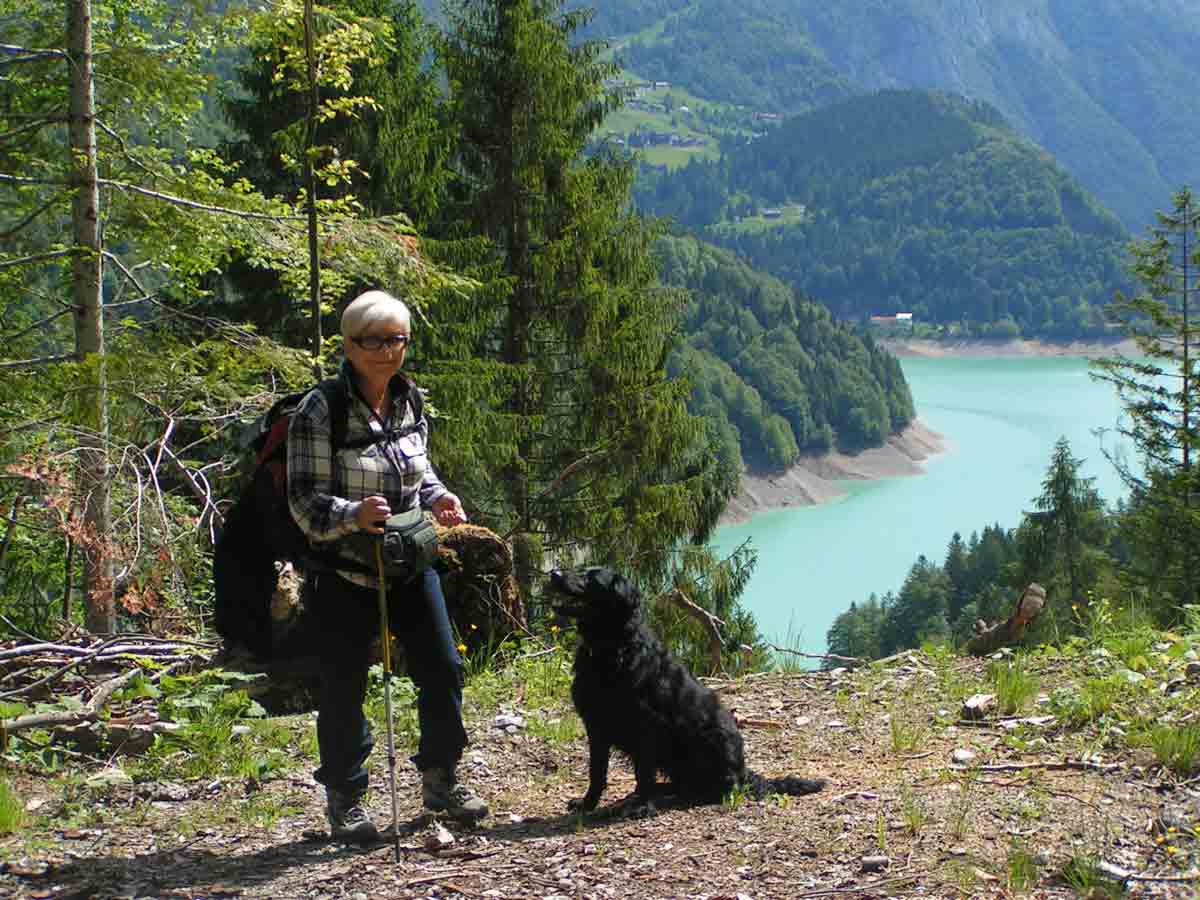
(386, 341)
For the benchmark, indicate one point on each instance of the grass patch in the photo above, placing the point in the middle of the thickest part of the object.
(1021, 869)
(12, 811)
(1013, 683)
(906, 736)
(1177, 748)
(735, 798)
(911, 809)
(1094, 699)
(1082, 873)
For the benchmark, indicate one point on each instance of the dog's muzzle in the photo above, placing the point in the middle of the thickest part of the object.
(569, 586)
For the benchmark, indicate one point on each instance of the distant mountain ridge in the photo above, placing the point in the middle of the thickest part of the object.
(907, 200)
(1107, 86)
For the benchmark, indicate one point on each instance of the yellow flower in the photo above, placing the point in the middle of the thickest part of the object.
(462, 648)
(1171, 850)
(474, 626)
(554, 629)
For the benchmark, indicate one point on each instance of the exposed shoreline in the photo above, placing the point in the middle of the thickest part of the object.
(926, 347)
(814, 479)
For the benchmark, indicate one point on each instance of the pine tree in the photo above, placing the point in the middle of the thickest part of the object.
(589, 446)
(1060, 540)
(1160, 392)
(956, 570)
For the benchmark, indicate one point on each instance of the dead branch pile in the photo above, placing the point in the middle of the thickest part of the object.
(69, 687)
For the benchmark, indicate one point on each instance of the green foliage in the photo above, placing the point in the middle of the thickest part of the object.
(1059, 539)
(912, 810)
(1160, 393)
(1065, 543)
(906, 736)
(773, 370)
(218, 735)
(716, 586)
(953, 218)
(12, 811)
(558, 363)
(1177, 747)
(1013, 684)
(379, 131)
(1082, 873)
(1095, 699)
(1021, 869)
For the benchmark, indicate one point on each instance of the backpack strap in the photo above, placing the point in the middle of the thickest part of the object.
(339, 409)
(334, 391)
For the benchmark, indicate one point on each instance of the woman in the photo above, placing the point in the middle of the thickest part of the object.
(332, 498)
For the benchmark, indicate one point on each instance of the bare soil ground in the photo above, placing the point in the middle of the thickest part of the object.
(919, 803)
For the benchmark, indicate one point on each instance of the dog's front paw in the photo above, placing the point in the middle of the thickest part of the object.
(583, 804)
(637, 806)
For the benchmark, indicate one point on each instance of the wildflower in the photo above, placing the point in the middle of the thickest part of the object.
(462, 648)
(474, 626)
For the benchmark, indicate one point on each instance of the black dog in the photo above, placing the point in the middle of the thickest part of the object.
(633, 695)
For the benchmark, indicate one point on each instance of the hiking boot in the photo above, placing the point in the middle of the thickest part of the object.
(348, 821)
(442, 792)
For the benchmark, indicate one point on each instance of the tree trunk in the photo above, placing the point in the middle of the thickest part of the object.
(310, 186)
(89, 321)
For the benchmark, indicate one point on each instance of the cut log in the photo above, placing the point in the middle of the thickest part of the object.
(992, 638)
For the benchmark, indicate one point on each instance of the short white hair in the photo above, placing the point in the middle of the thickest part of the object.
(370, 307)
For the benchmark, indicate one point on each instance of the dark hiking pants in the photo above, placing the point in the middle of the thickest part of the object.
(347, 617)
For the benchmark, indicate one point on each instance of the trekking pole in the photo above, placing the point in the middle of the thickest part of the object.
(386, 637)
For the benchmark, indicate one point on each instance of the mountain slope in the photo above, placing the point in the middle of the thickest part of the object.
(1107, 86)
(772, 373)
(953, 217)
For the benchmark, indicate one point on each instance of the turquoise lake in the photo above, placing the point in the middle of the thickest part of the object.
(1000, 418)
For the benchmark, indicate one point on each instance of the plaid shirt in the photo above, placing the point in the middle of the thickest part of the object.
(324, 493)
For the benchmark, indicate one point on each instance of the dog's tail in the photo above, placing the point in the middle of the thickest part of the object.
(788, 784)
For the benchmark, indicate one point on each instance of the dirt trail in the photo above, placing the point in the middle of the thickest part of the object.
(919, 803)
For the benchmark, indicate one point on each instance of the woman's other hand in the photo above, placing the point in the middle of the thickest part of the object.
(448, 510)
(371, 514)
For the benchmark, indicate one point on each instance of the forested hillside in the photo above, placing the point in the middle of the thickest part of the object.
(772, 374)
(1104, 85)
(953, 217)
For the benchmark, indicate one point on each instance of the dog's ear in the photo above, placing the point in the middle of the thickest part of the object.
(617, 588)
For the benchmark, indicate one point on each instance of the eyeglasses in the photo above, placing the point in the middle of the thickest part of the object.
(378, 342)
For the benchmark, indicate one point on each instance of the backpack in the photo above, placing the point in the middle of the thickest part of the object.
(259, 530)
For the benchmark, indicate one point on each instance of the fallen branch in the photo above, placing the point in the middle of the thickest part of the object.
(87, 714)
(860, 888)
(759, 723)
(850, 661)
(59, 672)
(1112, 870)
(429, 879)
(1073, 765)
(109, 650)
(712, 623)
